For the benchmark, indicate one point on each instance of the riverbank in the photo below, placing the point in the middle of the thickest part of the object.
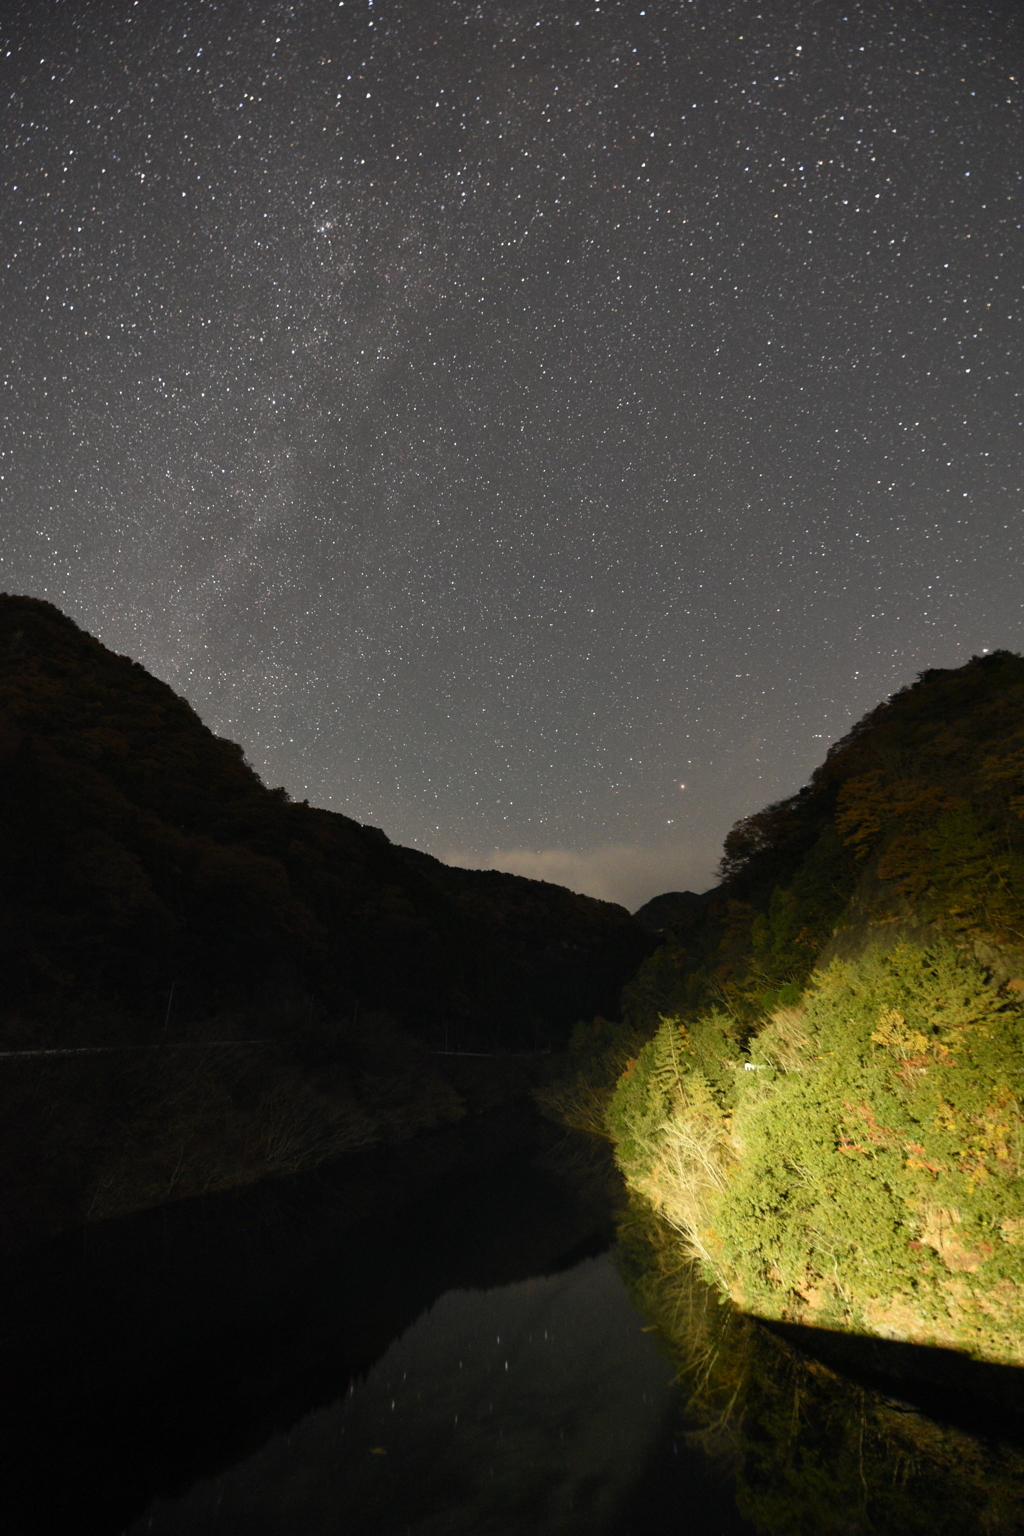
(105, 1133)
(825, 1434)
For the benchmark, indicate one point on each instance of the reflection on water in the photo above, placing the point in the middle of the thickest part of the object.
(533, 1407)
(429, 1339)
(434, 1341)
(812, 1451)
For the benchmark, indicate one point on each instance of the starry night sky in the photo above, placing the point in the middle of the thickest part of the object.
(497, 416)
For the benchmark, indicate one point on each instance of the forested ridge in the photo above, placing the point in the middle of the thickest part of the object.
(820, 1074)
(157, 895)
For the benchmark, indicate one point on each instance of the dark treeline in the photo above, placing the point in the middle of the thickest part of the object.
(156, 893)
(913, 825)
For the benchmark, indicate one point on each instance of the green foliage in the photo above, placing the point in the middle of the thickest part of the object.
(669, 1120)
(854, 1156)
(842, 1143)
(747, 958)
(810, 1451)
(580, 1086)
(677, 1066)
(880, 1178)
(861, 1165)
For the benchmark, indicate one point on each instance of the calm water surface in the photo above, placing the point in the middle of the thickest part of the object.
(439, 1339)
(533, 1407)
(432, 1339)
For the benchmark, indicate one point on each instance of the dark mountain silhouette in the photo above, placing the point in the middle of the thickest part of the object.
(819, 1072)
(670, 908)
(912, 828)
(155, 891)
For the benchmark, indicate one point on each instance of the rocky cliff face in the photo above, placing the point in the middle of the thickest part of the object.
(155, 891)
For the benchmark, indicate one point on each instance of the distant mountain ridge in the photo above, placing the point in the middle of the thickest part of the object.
(670, 907)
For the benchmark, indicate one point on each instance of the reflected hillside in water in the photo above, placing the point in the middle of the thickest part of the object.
(434, 1338)
(143, 1354)
(231, 1363)
(816, 1449)
(532, 1408)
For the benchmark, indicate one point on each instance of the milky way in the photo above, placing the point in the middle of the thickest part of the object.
(497, 417)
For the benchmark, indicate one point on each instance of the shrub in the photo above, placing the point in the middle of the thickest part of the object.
(861, 1167)
(880, 1149)
(669, 1119)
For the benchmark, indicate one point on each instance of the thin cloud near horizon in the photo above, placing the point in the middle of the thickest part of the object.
(627, 874)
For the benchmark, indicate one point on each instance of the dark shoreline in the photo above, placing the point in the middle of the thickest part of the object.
(976, 1396)
(142, 1353)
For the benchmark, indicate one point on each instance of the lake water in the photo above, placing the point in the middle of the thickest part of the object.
(537, 1407)
(439, 1339)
